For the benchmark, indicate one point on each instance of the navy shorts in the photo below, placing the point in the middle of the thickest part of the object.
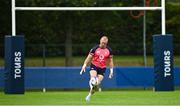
(100, 71)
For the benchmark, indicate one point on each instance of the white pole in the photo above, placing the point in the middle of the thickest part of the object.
(85, 8)
(13, 18)
(163, 17)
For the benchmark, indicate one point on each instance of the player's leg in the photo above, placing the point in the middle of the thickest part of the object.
(100, 72)
(93, 73)
(100, 78)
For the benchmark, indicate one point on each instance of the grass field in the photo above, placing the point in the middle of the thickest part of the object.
(108, 98)
(78, 61)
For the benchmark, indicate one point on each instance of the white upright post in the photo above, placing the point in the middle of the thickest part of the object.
(163, 18)
(13, 17)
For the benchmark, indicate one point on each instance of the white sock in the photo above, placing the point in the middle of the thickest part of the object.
(90, 85)
(89, 94)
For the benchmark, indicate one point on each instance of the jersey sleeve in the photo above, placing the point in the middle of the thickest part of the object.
(92, 51)
(110, 50)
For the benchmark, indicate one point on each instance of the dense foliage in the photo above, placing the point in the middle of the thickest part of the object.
(80, 30)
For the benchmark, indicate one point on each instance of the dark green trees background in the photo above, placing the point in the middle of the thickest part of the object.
(73, 33)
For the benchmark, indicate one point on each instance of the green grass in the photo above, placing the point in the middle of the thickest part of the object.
(135, 97)
(78, 61)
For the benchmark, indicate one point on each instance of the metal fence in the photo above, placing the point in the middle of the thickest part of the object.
(38, 50)
(41, 52)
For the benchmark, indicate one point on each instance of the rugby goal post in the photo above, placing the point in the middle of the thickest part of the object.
(14, 49)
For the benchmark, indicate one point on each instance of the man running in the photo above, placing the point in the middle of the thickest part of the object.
(98, 56)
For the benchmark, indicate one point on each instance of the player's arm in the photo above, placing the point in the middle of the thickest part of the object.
(87, 60)
(111, 65)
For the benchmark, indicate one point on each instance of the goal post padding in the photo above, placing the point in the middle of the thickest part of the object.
(14, 65)
(163, 62)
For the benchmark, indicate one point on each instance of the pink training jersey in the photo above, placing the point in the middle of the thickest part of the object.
(100, 56)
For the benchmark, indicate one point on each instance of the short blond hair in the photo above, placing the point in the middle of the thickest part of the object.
(104, 37)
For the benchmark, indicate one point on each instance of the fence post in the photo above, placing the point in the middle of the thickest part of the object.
(44, 54)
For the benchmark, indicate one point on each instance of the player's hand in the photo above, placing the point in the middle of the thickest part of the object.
(83, 69)
(111, 73)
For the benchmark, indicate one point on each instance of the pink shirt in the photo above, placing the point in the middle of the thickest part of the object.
(100, 56)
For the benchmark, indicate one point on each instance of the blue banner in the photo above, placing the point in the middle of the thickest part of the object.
(68, 77)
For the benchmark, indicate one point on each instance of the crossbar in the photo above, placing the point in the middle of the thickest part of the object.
(84, 8)
(14, 9)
